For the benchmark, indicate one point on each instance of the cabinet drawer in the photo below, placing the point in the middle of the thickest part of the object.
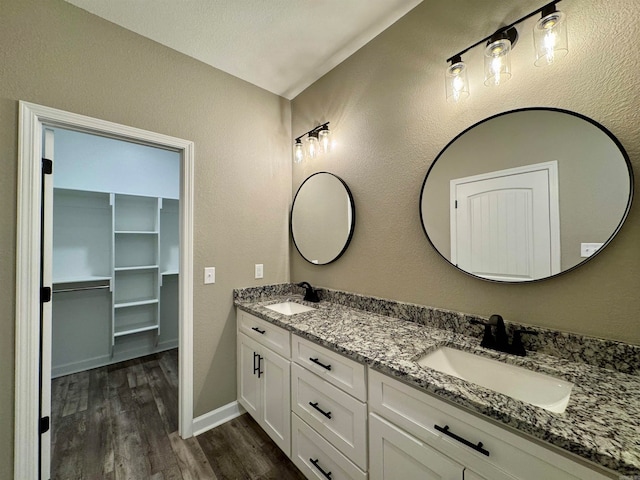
(510, 455)
(332, 367)
(265, 333)
(338, 417)
(313, 455)
(397, 455)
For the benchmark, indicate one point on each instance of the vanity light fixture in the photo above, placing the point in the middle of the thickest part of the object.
(550, 40)
(550, 36)
(317, 141)
(457, 82)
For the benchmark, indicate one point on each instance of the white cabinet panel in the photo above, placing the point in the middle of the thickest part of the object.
(397, 455)
(338, 417)
(248, 382)
(276, 399)
(342, 372)
(268, 334)
(318, 459)
(264, 389)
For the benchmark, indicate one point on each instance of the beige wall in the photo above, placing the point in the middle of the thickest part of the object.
(57, 55)
(390, 120)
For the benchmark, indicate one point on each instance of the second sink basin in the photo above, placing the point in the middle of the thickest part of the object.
(531, 387)
(289, 308)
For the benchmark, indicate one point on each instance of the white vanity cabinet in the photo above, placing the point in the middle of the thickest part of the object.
(329, 413)
(264, 378)
(482, 449)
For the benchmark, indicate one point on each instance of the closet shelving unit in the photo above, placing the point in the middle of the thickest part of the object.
(124, 245)
(136, 265)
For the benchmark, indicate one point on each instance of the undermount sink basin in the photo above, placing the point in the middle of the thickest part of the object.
(289, 308)
(531, 387)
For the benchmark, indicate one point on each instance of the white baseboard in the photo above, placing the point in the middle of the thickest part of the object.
(103, 360)
(217, 417)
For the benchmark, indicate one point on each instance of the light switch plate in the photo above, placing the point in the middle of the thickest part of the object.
(588, 249)
(209, 275)
(259, 270)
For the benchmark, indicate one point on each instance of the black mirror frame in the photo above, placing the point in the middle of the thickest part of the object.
(583, 117)
(351, 227)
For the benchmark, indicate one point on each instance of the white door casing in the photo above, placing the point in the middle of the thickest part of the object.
(32, 121)
(505, 224)
(46, 327)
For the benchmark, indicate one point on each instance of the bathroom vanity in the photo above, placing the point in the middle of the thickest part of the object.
(340, 390)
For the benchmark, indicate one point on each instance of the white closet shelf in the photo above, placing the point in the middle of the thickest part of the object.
(81, 279)
(135, 232)
(171, 272)
(136, 303)
(132, 330)
(131, 269)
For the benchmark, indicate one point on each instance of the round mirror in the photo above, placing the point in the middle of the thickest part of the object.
(526, 195)
(322, 218)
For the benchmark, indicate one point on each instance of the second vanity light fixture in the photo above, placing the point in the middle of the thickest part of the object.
(550, 41)
(316, 143)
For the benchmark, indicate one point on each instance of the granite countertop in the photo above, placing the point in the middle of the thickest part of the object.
(601, 422)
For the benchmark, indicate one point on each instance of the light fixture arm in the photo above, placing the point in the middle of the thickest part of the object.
(545, 10)
(314, 130)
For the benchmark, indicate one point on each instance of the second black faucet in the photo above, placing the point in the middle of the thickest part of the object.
(500, 340)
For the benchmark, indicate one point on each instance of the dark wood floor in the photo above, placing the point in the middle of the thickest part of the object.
(121, 422)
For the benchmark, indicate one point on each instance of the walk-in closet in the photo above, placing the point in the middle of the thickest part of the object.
(115, 251)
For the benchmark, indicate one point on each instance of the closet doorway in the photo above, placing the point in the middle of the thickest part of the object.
(126, 252)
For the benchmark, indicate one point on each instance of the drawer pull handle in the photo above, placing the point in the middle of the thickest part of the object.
(315, 464)
(315, 405)
(315, 360)
(261, 332)
(477, 448)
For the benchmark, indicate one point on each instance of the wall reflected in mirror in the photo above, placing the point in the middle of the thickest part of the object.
(517, 196)
(322, 218)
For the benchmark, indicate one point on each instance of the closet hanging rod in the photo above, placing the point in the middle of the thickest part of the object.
(79, 289)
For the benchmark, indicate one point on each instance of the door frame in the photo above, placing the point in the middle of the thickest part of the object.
(32, 119)
(551, 167)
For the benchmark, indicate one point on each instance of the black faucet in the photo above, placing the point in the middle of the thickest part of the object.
(310, 294)
(500, 340)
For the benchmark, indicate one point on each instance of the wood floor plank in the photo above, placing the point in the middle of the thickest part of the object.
(130, 455)
(67, 452)
(191, 459)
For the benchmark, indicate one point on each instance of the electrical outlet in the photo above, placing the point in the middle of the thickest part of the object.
(588, 249)
(259, 270)
(209, 275)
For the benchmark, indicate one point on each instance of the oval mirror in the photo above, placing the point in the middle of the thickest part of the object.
(526, 195)
(322, 218)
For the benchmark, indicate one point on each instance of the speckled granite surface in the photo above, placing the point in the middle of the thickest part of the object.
(601, 422)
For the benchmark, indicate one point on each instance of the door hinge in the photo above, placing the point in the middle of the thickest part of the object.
(456, 204)
(47, 166)
(44, 425)
(46, 294)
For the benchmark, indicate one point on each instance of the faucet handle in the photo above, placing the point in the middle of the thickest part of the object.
(488, 340)
(517, 348)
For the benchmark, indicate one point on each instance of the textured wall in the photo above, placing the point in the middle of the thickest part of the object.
(57, 55)
(387, 108)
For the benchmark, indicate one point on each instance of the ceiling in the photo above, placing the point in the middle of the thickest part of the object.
(282, 46)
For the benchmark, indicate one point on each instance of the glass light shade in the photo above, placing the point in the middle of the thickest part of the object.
(324, 138)
(550, 38)
(456, 81)
(312, 145)
(298, 152)
(497, 62)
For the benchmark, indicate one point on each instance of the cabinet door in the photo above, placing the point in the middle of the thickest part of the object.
(276, 398)
(248, 382)
(394, 454)
(470, 475)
